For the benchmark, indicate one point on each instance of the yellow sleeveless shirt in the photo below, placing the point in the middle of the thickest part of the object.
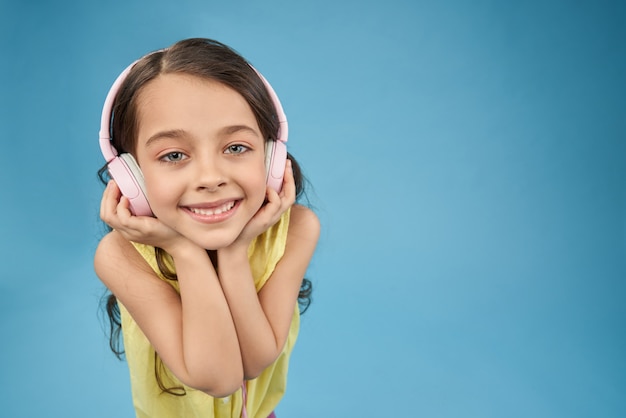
(263, 393)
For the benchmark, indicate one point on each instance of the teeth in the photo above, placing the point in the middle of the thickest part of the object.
(214, 211)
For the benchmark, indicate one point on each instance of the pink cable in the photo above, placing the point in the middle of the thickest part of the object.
(244, 412)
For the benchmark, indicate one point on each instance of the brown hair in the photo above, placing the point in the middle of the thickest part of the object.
(203, 58)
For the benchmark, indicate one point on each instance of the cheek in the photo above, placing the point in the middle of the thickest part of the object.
(257, 182)
(158, 192)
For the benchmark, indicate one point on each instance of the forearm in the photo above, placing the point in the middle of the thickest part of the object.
(210, 348)
(257, 340)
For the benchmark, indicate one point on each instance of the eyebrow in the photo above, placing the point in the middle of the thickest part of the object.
(180, 134)
(169, 134)
(229, 130)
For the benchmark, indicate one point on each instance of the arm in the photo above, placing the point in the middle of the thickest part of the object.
(262, 321)
(193, 332)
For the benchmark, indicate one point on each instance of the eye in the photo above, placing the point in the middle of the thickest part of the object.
(173, 157)
(236, 149)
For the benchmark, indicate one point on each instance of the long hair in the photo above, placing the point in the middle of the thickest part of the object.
(207, 59)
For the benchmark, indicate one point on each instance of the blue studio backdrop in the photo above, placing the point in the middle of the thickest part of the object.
(468, 163)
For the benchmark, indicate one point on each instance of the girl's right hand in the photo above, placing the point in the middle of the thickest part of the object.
(115, 211)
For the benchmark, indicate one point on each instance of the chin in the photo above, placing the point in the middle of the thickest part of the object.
(215, 243)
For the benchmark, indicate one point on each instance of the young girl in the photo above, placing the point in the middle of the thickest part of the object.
(207, 278)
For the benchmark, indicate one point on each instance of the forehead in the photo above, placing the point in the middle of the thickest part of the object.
(174, 87)
(177, 101)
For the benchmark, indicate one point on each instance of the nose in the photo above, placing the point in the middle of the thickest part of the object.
(209, 175)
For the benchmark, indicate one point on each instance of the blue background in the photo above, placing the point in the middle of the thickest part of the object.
(469, 168)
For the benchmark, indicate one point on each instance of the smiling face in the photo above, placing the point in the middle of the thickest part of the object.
(202, 156)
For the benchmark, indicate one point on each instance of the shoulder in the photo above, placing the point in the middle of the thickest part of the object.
(108, 250)
(303, 233)
(116, 257)
(304, 222)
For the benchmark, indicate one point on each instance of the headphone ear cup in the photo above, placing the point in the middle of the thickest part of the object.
(129, 178)
(275, 160)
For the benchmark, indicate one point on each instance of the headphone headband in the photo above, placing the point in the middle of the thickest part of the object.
(107, 148)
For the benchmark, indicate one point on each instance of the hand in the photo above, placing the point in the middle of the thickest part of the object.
(115, 211)
(271, 211)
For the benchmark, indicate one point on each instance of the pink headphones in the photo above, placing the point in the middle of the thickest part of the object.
(126, 172)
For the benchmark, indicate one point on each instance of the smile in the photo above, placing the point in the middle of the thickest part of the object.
(218, 210)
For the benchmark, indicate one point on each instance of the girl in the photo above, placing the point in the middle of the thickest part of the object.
(207, 287)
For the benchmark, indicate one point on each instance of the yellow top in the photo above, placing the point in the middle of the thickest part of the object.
(263, 393)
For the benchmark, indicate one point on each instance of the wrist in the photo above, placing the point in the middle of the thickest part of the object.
(184, 249)
(237, 251)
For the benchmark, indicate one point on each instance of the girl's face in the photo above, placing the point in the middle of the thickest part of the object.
(202, 156)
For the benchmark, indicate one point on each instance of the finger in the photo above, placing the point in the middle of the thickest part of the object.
(271, 196)
(131, 227)
(272, 201)
(115, 209)
(103, 201)
(288, 191)
(123, 210)
(277, 205)
(110, 198)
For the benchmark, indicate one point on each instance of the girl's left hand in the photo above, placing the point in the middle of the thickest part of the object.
(271, 211)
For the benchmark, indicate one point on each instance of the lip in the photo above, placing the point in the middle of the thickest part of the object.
(212, 212)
